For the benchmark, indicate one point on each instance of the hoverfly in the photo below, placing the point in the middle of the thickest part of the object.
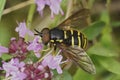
(72, 42)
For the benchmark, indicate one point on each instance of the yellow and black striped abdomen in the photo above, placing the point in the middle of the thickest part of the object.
(73, 37)
(68, 37)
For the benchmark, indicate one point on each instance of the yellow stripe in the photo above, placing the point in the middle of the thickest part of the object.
(72, 37)
(79, 41)
(71, 31)
(85, 42)
(51, 40)
(72, 41)
(59, 40)
(65, 36)
(78, 33)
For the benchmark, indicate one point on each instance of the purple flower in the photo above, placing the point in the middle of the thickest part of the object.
(53, 62)
(3, 50)
(37, 71)
(14, 69)
(53, 4)
(40, 5)
(22, 29)
(35, 46)
(18, 76)
(55, 7)
(18, 48)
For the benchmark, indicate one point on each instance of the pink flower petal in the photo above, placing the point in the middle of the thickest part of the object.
(37, 55)
(13, 69)
(47, 60)
(3, 50)
(53, 62)
(35, 46)
(40, 6)
(59, 70)
(22, 29)
(40, 67)
(53, 4)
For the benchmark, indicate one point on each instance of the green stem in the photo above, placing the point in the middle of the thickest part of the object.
(2, 5)
(30, 18)
(18, 6)
(108, 11)
(30, 15)
(108, 4)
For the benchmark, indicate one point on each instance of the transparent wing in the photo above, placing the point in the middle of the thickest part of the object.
(80, 57)
(78, 19)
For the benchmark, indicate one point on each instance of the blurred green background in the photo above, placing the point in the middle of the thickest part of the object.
(103, 30)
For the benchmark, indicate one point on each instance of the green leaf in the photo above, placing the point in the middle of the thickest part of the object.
(100, 50)
(115, 24)
(106, 38)
(64, 76)
(2, 4)
(6, 57)
(110, 64)
(117, 77)
(2, 77)
(112, 77)
(94, 30)
(31, 57)
(105, 17)
(81, 75)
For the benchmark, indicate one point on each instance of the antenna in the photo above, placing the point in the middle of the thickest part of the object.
(38, 33)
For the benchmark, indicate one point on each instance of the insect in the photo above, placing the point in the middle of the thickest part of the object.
(72, 42)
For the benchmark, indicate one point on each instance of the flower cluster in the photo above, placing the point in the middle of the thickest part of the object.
(14, 69)
(53, 4)
(18, 48)
(20, 65)
(37, 71)
(18, 68)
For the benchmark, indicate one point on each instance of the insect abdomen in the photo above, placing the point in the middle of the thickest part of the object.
(68, 37)
(73, 37)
